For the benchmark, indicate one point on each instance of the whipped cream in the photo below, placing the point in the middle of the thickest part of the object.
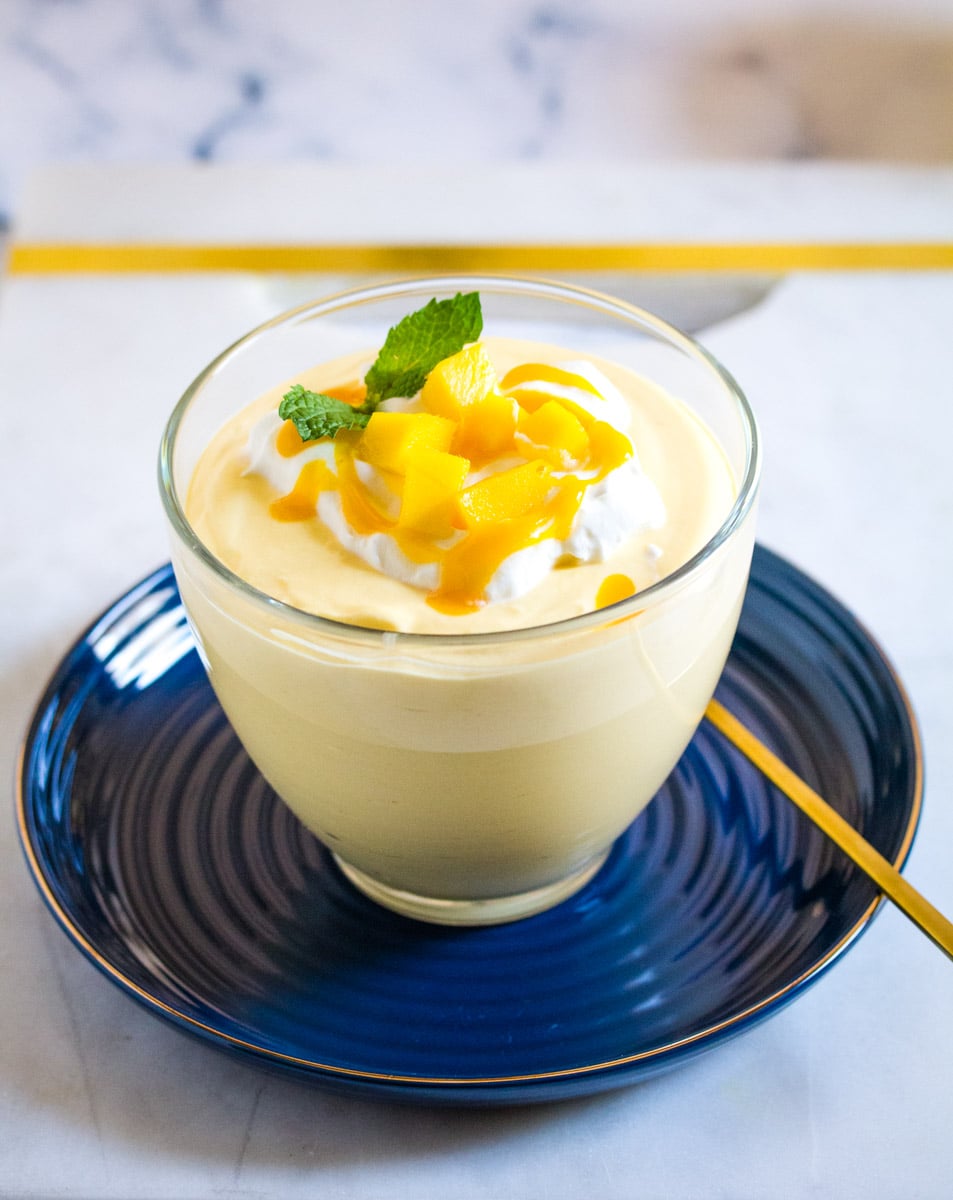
(623, 503)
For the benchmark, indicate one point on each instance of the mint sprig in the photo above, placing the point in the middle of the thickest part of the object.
(411, 350)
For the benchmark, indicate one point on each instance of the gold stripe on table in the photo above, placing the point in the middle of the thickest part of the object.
(65, 258)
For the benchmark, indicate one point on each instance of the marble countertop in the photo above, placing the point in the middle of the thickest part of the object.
(621, 81)
(845, 1093)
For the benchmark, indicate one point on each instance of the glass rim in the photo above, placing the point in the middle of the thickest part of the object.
(501, 284)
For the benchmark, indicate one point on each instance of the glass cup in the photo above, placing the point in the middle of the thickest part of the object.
(467, 779)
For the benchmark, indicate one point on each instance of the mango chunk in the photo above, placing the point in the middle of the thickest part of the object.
(531, 399)
(464, 389)
(553, 433)
(433, 481)
(527, 384)
(486, 428)
(509, 494)
(390, 439)
(463, 379)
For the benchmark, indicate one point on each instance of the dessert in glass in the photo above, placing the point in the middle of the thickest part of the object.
(464, 558)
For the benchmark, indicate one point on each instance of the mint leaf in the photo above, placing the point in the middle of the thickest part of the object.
(417, 343)
(316, 415)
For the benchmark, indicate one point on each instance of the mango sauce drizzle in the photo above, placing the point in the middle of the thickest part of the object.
(424, 459)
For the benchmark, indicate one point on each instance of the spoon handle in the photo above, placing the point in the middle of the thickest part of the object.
(857, 848)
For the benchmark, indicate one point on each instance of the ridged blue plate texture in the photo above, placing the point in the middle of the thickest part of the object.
(171, 864)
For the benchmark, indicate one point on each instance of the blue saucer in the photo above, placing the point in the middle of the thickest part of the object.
(170, 863)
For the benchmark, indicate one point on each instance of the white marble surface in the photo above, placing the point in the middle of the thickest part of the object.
(490, 80)
(846, 1093)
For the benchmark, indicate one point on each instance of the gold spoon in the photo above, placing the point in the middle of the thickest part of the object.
(860, 851)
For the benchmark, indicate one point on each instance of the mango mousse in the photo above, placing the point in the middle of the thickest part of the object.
(342, 528)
